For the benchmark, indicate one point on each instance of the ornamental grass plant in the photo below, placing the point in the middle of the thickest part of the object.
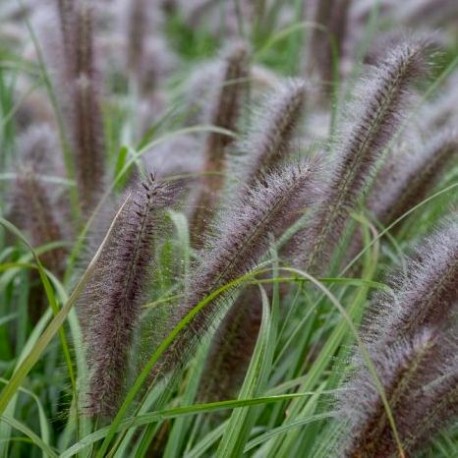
(229, 228)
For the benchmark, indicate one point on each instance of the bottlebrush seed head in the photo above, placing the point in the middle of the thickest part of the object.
(225, 116)
(404, 182)
(65, 13)
(326, 45)
(35, 212)
(79, 97)
(241, 238)
(370, 433)
(434, 405)
(88, 142)
(33, 200)
(418, 317)
(114, 295)
(426, 295)
(361, 145)
(269, 141)
(227, 107)
(137, 29)
(82, 58)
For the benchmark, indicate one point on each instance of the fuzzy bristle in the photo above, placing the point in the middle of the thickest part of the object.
(325, 46)
(425, 296)
(34, 201)
(37, 216)
(410, 338)
(434, 404)
(80, 99)
(370, 433)
(88, 143)
(243, 238)
(358, 151)
(65, 12)
(268, 143)
(406, 181)
(226, 114)
(114, 295)
(137, 28)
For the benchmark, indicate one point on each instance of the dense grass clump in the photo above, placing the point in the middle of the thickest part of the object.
(228, 228)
